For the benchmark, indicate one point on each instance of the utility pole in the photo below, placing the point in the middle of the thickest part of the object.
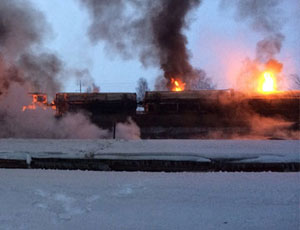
(114, 130)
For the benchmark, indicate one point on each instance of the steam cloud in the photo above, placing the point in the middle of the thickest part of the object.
(86, 81)
(151, 29)
(40, 123)
(128, 130)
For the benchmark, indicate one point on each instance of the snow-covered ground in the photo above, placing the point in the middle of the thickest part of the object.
(45, 199)
(196, 150)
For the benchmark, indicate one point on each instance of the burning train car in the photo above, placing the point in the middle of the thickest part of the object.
(38, 100)
(179, 114)
(200, 101)
(187, 114)
(284, 104)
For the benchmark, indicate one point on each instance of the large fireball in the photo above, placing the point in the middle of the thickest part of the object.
(267, 82)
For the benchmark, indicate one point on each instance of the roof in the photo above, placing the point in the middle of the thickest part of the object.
(95, 96)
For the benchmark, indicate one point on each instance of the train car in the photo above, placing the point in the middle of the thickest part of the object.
(184, 114)
(188, 114)
(200, 101)
(96, 103)
(103, 109)
(285, 104)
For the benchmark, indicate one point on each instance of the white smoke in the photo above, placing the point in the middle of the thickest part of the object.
(41, 122)
(128, 130)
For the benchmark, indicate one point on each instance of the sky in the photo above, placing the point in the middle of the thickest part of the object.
(216, 41)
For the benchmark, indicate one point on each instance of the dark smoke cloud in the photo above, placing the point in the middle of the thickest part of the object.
(167, 25)
(8, 74)
(262, 15)
(85, 80)
(124, 25)
(267, 48)
(21, 27)
(23, 70)
(42, 71)
(151, 29)
(22, 31)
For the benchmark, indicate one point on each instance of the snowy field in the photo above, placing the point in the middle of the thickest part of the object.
(195, 150)
(45, 199)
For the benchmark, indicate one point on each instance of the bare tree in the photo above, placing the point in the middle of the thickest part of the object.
(142, 87)
(296, 79)
(199, 81)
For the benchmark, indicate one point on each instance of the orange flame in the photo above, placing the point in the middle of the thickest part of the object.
(267, 83)
(177, 85)
(38, 100)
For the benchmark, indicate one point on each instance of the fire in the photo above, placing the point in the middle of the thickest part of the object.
(267, 83)
(177, 85)
(38, 100)
(268, 79)
(52, 105)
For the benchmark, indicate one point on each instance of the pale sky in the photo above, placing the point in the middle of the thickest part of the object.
(218, 44)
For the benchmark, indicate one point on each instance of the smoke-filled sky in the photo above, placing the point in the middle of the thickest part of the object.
(220, 36)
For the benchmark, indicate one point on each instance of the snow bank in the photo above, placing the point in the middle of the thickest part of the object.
(194, 150)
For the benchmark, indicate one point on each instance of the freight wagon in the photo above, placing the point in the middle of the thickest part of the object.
(183, 114)
(96, 103)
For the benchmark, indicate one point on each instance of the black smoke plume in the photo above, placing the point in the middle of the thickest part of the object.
(151, 29)
(21, 27)
(167, 25)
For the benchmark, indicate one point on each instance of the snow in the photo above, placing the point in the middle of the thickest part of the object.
(46, 199)
(194, 150)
